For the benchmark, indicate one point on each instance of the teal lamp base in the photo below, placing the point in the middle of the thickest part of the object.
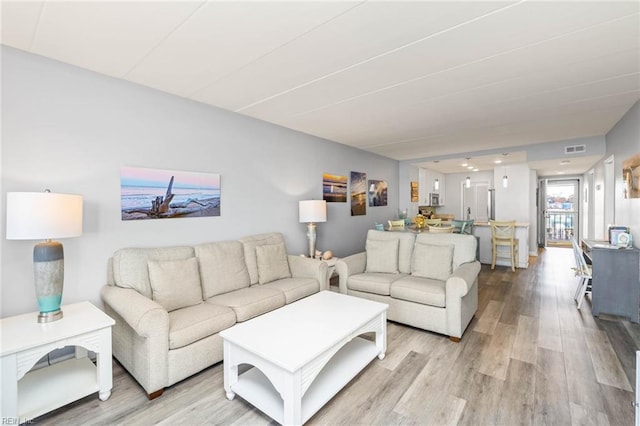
(48, 267)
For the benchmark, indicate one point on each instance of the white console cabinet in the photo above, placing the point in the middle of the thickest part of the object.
(28, 394)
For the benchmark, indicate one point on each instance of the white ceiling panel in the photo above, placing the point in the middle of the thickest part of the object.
(356, 36)
(224, 37)
(404, 79)
(107, 37)
(19, 23)
(496, 34)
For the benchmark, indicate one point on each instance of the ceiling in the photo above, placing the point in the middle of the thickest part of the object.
(406, 80)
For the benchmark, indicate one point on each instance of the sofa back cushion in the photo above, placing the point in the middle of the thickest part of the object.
(405, 246)
(382, 256)
(131, 270)
(175, 284)
(222, 267)
(433, 261)
(250, 243)
(272, 263)
(464, 245)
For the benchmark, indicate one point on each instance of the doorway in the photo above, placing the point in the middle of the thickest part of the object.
(560, 211)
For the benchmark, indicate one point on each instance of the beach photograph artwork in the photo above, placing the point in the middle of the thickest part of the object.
(377, 193)
(334, 188)
(358, 194)
(414, 192)
(631, 176)
(162, 194)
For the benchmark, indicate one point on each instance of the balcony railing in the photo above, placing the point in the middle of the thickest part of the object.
(560, 225)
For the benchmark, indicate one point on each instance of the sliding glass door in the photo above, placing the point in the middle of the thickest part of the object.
(560, 214)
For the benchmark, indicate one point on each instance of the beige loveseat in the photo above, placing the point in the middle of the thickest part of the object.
(429, 281)
(170, 303)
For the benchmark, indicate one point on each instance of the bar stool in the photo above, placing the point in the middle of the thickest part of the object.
(503, 235)
(433, 222)
(462, 226)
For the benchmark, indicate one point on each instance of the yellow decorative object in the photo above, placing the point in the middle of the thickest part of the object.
(419, 219)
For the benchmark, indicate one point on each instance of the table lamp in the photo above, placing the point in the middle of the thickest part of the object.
(43, 216)
(311, 212)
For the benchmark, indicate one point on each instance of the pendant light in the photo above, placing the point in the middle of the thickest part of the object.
(436, 185)
(467, 182)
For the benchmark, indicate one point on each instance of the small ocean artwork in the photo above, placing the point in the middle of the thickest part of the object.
(358, 194)
(162, 194)
(334, 188)
(377, 193)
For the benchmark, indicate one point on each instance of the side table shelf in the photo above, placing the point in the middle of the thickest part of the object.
(46, 389)
(28, 394)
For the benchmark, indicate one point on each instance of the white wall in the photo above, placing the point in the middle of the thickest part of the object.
(71, 130)
(512, 203)
(623, 141)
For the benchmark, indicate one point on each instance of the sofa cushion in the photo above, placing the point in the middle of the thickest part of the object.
(272, 263)
(250, 243)
(295, 288)
(432, 261)
(420, 290)
(131, 270)
(191, 324)
(376, 283)
(250, 302)
(222, 267)
(382, 256)
(175, 283)
(465, 245)
(405, 246)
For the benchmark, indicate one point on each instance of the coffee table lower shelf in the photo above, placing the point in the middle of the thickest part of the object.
(255, 387)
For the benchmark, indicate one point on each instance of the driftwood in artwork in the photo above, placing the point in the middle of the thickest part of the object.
(161, 207)
(161, 204)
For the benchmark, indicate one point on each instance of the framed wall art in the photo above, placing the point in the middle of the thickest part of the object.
(162, 194)
(334, 188)
(358, 194)
(377, 193)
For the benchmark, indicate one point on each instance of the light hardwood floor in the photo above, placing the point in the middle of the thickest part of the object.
(529, 357)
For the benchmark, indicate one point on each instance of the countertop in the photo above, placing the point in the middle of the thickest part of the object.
(518, 224)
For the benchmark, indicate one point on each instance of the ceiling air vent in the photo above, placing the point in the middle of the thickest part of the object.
(575, 149)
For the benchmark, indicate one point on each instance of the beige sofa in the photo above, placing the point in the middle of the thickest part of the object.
(429, 281)
(170, 303)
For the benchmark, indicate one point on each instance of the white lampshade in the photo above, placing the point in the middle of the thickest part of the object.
(312, 211)
(43, 215)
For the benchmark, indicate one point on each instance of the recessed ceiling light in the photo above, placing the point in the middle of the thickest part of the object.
(498, 161)
(464, 164)
(475, 170)
(560, 173)
(470, 167)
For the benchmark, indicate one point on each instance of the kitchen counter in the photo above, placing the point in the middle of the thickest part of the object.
(482, 230)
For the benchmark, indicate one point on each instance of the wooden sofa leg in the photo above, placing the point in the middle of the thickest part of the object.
(154, 395)
(455, 339)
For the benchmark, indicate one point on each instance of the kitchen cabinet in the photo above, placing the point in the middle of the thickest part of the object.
(426, 186)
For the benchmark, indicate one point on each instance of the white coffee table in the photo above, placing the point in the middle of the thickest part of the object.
(304, 353)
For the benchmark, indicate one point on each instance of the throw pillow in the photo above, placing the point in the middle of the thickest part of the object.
(175, 284)
(382, 256)
(272, 263)
(432, 261)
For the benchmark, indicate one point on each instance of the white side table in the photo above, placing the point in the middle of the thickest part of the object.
(331, 270)
(28, 394)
